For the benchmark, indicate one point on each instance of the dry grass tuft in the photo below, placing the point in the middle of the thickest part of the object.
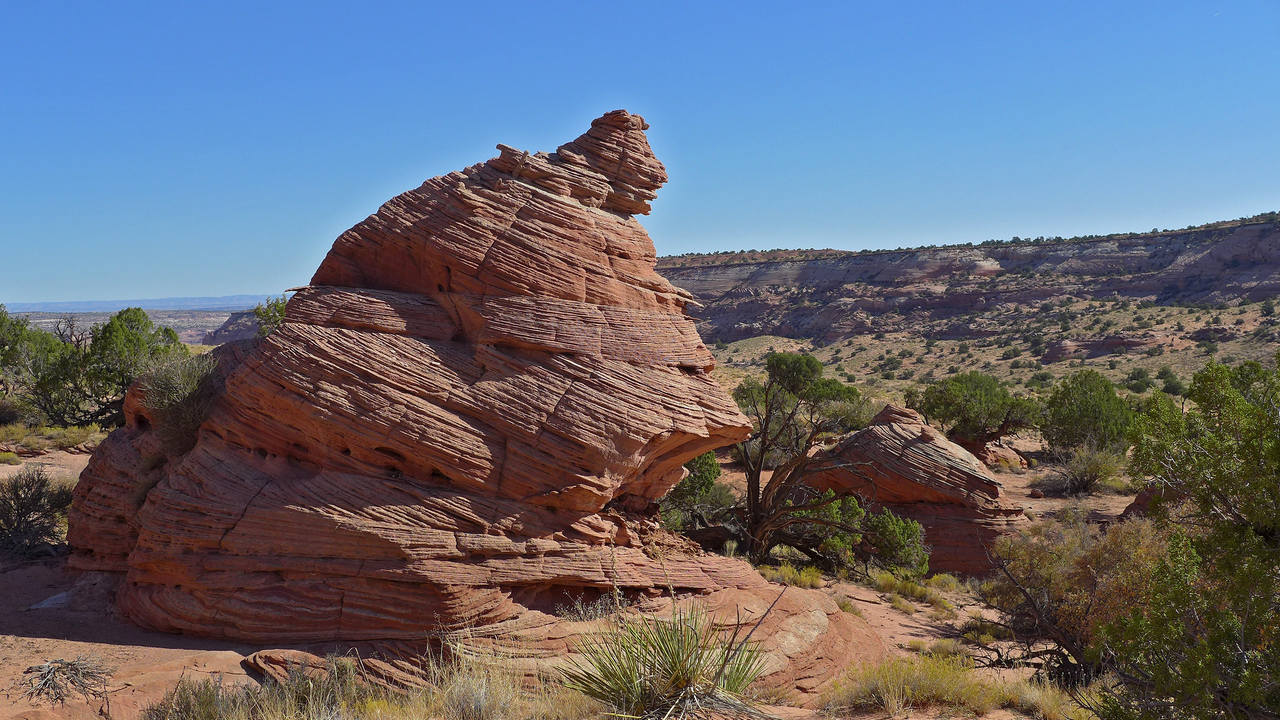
(787, 574)
(459, 691)
(938, 681)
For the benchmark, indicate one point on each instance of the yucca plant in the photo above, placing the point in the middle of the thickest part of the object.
(649, 667)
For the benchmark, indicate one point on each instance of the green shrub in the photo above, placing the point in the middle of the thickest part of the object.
(976, 407)
(899, 543)
(270, 314)
(178, 392)
(1199, 638)
(1084, 409)
(8, 458)
(697, 496)
(32, 509)
(649, 667)
(11, 412)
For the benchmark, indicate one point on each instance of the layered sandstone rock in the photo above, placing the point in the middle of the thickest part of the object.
(902, 463)
(463, 422)
(833, 295)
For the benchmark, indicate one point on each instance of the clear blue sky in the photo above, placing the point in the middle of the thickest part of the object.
(162, 149)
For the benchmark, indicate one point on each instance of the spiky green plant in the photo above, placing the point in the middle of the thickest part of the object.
(650, 667)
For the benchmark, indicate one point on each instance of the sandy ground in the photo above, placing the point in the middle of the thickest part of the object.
(145, 663)
(79, 620)
(59, 464)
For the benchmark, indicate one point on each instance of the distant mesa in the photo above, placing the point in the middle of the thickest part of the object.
(463, 422)
(832, 295)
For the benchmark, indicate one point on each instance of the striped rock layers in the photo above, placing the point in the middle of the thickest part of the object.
(463, 422)
(902, 463)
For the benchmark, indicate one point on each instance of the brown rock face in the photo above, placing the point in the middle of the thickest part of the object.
(464, 421)
(901, 463)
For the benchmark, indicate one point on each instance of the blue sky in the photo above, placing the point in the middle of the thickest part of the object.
(165, 149)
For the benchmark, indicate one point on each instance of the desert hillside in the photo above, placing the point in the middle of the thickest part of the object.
(831, 295)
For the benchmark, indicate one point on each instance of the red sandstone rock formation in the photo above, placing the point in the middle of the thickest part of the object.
(997, 454)
(463, 422)
(902, 463)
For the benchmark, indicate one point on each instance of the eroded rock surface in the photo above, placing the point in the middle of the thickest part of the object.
(463, 422)
(902, 463)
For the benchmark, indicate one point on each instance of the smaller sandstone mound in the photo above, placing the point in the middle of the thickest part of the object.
(902, 463)
(998, 454)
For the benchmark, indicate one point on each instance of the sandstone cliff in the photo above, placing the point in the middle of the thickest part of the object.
(830, 295)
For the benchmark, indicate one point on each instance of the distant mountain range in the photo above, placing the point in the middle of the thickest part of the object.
(223, 303)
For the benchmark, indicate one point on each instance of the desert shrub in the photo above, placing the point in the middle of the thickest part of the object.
(697, 500)
(650, 667)
(976, 408)
(898, 543)
(65, 438)
(1084, 409)
(981, 631)
(8, 458)
(946, 647)
(1200, 642)
(1062, 581)
(787, 574)
(57, 681)
(178, 391)
(887, 582)
(847, 605)
(899, 603)
(944, 582)
(940, 681)
(270, 314)
(1082, 469)
(1174, 386)
(579, 610)
(11, 412)
(1139, 380)
(32, 508)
